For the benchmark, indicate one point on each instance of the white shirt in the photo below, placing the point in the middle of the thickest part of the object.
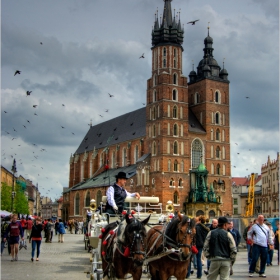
(260, 234)
(110, 195)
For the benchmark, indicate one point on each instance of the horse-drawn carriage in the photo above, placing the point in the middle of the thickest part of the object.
(142, 239)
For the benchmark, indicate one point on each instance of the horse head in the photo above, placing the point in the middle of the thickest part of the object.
(181, 230)
(135, 238)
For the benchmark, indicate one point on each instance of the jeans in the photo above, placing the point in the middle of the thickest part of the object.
(189, 268)
(248, 251)
(258, 251)
(269, 257)
(34, 243)
(2, 246)
(198, 263)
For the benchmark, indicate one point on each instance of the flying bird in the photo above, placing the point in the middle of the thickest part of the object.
(193, 22)
(34, 106)
(24, 126)
(107, 110)
(73, 133)
(111, 95)
(7, 132)
(236, 144)
(62, 126)
(247, 97)
(13, 138)
(63, 105)
(144, 104)
(14, 130)
(41, 43)
(17, 72)
(35, 114)
(142, 56)
(101, 116)
(28, 92)
(28, 121)
(5, 112)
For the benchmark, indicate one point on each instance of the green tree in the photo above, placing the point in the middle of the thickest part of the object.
(20, 201)
(6, 197)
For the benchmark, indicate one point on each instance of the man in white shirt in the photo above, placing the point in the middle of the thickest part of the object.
(116, 195)
(261, 237)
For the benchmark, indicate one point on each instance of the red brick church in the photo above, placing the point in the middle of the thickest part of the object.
(176, 148)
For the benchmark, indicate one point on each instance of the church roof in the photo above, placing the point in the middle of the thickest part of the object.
(120, 129)
(194, 124)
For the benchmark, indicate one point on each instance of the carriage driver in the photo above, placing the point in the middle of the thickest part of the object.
(116, 194)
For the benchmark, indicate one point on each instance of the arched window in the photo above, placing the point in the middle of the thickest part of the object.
(175, 148)
(217, 118)
(154, 113)
(124, 157)
(218, 134)
(175, 112)
(175, 79)
(77, 204)
(218, 152)
(175, 165)
(218, 169)
(154, 148)
(174, 94)
(180, 182)
(217, 96)
(154, 130)
(164, 51)
(164, 62)
(175, 130)
(199, 213)
(171, 182)
(87, 202)
(155, 96)
(196, 153)
(212, 214)
(174, 63)
(98, 197)
(175, 53)
(196, 98)
(136, 153)
(175, 198)
(169, 165)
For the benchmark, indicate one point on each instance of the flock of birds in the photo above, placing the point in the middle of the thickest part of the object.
(15, 134)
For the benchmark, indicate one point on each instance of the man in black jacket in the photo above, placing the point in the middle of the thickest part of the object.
(220, 248)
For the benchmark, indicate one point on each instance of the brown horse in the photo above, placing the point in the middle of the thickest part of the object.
(123, 248)
(177, 234)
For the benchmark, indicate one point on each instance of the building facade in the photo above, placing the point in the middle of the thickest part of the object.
(185, 124)
(269, 199)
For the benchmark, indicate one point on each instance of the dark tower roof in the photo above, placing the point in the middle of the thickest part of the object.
(208, 67)
(169, 31)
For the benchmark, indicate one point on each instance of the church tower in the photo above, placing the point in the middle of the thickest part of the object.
(209, 101)
(167, 110)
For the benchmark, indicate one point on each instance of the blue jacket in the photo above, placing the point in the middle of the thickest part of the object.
(61, 228)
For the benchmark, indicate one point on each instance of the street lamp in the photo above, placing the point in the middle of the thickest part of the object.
(14, 170)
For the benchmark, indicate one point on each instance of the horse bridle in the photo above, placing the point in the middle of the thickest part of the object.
(136, 236)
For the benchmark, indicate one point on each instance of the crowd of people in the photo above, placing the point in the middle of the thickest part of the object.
(219, 243)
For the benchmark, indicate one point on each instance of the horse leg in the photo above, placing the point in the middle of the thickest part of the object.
(153, 273)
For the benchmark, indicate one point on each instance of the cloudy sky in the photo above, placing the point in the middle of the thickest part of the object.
(92, 47)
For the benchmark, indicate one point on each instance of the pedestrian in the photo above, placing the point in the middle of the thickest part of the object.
(29, 225)
(61, 231)
(248, 242)
(270, 251)
(261, 239)
(48, 228)
(200, 236)
(36, 238)
(81, 223)
(23, 223)
(56, 226)
(15, 230)
(116, 195)
(4, 226)
(220, 248)
(236, 236)
(76, 226)
(277, 239)
(213, 226)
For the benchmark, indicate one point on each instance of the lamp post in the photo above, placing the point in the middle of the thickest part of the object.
(14, 170)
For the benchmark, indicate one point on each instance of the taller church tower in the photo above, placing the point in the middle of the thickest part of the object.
(167, 110)
(186, 123)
